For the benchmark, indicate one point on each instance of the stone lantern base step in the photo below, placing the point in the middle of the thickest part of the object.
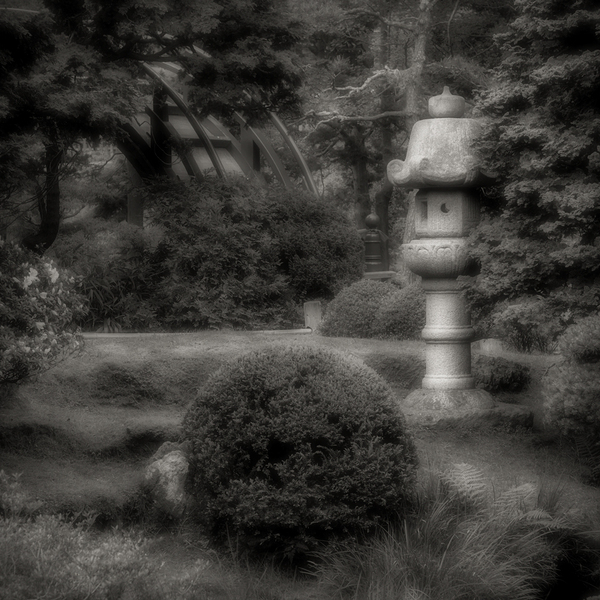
(449, 400)
(498, 416)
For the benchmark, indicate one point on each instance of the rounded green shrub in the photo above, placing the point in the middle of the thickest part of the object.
(354, 311)
(495, 374)
(294, 446)
(401, 314)
(581, 341)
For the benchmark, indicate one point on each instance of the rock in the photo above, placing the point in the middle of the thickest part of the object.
(165, 480)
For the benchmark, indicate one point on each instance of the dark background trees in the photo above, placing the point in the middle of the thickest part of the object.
(539, 244)
(69, 76)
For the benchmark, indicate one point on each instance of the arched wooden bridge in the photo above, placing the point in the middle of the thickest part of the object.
(205, 147)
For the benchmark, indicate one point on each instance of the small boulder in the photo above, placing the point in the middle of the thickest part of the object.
(165, 480)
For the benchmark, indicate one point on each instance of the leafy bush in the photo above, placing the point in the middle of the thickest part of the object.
(464, 543)
(238, 254)
(572, 388)
(376, 309)
(353, 312)
(319, 252)
(401, 314)
(38, 304)
(219, 261)
(581, 341)
(294, 446)
(527, 326)
(572, 399)
(215, 254)
(115, 271)
(496, 374)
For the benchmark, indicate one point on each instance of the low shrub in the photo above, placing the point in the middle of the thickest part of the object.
(354, 311)
(581, 341)
(527, 326)
(376, 309)
(495, 374)
(572, 388)
(38, 306)
(572, 398)
(401, 314)
(295, 446)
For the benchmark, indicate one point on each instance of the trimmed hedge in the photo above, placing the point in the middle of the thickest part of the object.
(495, 374)
(401, 314)
(376, 309)
(295, 446)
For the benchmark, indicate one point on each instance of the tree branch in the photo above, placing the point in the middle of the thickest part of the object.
(401, 24)
(338, 118)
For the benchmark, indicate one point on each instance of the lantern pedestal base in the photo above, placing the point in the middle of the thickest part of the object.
(464, 414)
(448, 401)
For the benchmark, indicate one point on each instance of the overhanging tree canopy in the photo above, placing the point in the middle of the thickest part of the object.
(69, 73)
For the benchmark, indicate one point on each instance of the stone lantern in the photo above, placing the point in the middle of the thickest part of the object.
(441, 164)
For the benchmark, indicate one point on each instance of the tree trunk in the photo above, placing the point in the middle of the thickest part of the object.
(49, 203)
(355, 145)
(384, 195)
(413, 98)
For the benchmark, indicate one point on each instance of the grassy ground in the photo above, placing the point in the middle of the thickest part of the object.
(82, 433)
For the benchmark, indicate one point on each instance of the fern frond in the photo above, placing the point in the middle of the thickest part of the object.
(521, 498)
(468, 483)
(588, 452)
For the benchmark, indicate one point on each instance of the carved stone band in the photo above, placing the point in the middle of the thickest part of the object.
(437, 258)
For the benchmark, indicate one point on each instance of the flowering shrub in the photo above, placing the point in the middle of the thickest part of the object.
(38, 304)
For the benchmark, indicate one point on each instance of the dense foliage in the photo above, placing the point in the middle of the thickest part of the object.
(70, 74)
(352, 313)
(572, 388)
(237, 254)
(213, 254)
(376, 309)
(115, 273)
(38, 304)
(539, 238)
(496, 374)
(294, 446)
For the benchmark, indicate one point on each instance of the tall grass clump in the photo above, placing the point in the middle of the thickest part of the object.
(462, 543)
(49, 557)
(295, 446)
(43, 556)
